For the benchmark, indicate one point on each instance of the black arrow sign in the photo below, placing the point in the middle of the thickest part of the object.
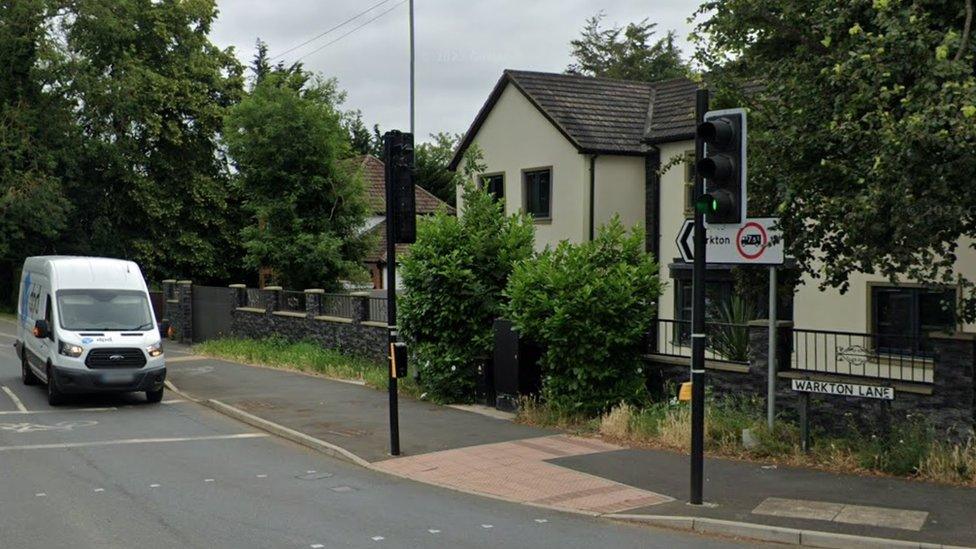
(684, 240)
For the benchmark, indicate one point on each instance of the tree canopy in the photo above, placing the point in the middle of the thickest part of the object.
(306, 206)
(628, 53)
(862, 127)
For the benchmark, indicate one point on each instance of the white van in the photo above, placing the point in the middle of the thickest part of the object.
(86, 325)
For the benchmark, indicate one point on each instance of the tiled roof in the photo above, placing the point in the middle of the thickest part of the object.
(601, 115)
(378, 253)
(375, 173)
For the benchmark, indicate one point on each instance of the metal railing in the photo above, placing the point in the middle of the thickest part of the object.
(252, 298)
(724, 341)
(292, 301)
(338, 305)
(882, 356)
(377, 309)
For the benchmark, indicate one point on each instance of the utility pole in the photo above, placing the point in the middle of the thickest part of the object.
(698, 319)
(412, 77)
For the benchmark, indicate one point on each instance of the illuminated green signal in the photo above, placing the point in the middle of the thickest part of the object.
(706, 204)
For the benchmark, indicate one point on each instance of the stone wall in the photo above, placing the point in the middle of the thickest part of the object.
(354, 335)
(948, 403)
(179, 308)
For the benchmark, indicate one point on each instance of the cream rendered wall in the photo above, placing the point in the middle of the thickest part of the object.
(619, 189)
(516, 136)
(672, 191)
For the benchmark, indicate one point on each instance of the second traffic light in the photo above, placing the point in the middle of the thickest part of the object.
(398, 155)
(723, 166)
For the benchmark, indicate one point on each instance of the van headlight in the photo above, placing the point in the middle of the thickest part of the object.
(156, 349)
(70, 349)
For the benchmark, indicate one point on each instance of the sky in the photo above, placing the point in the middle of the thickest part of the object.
(462, 46)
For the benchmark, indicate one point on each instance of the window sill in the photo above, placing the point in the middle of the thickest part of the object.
(542, 220)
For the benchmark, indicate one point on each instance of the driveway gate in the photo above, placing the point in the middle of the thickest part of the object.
(212, 307)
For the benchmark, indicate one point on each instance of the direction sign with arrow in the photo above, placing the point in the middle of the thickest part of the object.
(752, 242)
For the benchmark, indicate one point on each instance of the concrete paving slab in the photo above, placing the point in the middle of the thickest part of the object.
(880, 516)
(798, 508)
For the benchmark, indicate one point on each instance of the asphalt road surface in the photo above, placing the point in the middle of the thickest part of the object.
(118, 472)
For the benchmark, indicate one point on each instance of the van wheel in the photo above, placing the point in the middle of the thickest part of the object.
(54, 395)
(26, 374)
(155, 396)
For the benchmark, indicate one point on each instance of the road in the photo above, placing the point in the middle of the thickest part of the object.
(118, 472)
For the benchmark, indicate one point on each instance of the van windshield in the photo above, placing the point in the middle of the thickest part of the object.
(104, 310)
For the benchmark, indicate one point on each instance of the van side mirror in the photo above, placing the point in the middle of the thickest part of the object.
(41, 329)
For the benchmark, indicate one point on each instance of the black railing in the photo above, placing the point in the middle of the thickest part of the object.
(724, 341)
(882, 356)
(337, 305)
(293, 301)
(377, 309)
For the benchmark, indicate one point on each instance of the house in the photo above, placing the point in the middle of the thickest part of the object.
(572, 151)
(374, 172)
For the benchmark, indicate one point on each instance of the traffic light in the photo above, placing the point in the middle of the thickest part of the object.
(400, 198)
(723, 166)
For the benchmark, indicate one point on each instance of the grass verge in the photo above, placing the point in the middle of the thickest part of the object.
(303, 356)
(908, 449)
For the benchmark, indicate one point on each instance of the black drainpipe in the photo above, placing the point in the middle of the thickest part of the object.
(652, 223)
(592, 194)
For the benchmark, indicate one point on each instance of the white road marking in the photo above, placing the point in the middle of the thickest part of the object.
(99, 490)
(542, 521)
(262, 476)
(432, 531)
(20, 405)
(60, 411)
(310, 472)
(208, 480)
(122, 441)
(316, 546)
(174, 401)
(378, 538)
(487, 526)
(24, 427)
(154, 486)
(40, 495)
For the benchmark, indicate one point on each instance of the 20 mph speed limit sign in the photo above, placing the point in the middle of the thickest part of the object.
(753, 242)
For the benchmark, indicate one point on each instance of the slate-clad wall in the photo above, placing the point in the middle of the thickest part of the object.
(950, 408)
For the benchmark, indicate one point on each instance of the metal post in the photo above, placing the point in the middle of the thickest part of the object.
(805, 422)
(391, 303)
(698, 323)
(771, 362)
(411, 72)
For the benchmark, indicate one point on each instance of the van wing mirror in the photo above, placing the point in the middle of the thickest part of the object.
(41, 329)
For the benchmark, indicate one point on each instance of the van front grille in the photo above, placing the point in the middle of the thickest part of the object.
(115, 358)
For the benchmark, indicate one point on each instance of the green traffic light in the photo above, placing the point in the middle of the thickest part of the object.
(706, 204)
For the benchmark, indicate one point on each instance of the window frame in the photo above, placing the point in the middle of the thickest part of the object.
(526, 172)
(918, 330)
(688, 188)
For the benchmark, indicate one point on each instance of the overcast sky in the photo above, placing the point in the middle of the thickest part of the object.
(462, 46)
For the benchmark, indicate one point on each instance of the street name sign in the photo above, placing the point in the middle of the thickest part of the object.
(752, 242)
(843, 389)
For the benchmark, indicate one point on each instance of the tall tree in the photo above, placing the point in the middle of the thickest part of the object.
(862, 128)
(151, 92)
(432, 159)
(627, 53)
(306, 207)
(37, 137)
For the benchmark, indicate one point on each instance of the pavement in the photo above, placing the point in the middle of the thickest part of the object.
(486, 455)
(117, 471)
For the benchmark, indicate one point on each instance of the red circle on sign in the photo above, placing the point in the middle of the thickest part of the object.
(762, 246)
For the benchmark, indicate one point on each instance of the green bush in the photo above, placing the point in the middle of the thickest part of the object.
(590, 305)
(453, 279)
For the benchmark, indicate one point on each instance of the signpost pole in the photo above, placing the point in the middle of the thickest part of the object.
(391, 296)
(698, 323)
(771, 377)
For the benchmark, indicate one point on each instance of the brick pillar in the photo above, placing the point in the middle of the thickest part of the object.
(953, 401)
(238, 295)
(360, 306)
(313, 302)
(184, 290)
(271, 298)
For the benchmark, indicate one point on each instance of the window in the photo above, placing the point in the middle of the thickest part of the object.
(538, 192)
(901, 317)
(716, 293)
(689, 183)
(495, 184)
(104, 310)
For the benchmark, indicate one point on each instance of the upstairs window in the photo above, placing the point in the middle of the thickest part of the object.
(494, 184)
(538, 193)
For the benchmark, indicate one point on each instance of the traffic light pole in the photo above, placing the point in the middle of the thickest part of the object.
(391, 319)
(698, 322)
